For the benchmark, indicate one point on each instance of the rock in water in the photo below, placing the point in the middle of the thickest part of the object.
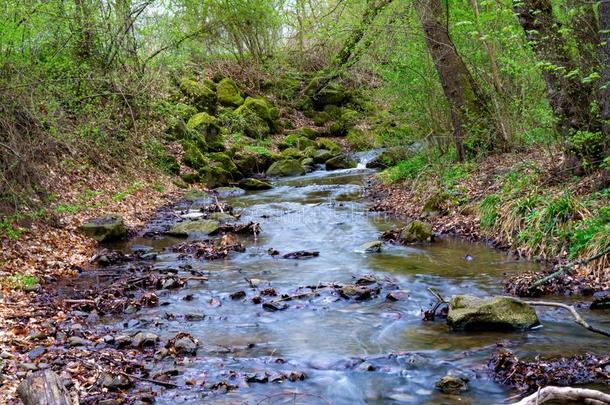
(451, 384)
(371, 247)
(340, 162)
(287, 167)
(104, 229)
(467, 312)
(254, 184)
(187, 228)
(43, 388)
(416, 232)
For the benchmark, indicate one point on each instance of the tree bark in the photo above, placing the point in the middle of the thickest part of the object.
(604, 26)
(469, 111)
(569, 98)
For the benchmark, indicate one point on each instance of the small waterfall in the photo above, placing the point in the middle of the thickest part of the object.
(364, 157)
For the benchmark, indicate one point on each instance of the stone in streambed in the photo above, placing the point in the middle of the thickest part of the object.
(340, 162)
(416, 232)
(254, 184)
(226, 192)
(144, 339)
(104, 229)
(186, 228)
(468, 313)
(287, 167)
(322, 155)
(371, 247)
(451, 384)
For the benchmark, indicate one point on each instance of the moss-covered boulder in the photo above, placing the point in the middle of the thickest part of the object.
(344, 123)
(188, 228)
(390, 157)
(322, 155)
(291, 153)
(190, 178)
(329, 145)
(213, 175)
(340, 162)
(286, 167)
(254, 184)
(105, 229)
(251, 124)
(416, 232)
(209, 127)
(435, 205)
(193, 156)
(490, 314)
(228, 93)
(200, 95)
(359, 140)
(225, 163)
(308, 133)
(322, 92)
(263, 109)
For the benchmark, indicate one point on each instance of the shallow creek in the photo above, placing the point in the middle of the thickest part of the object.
(321, 336)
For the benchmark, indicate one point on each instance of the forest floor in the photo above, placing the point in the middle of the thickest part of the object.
(407, 199)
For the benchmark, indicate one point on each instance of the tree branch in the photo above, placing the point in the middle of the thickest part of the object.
(577, 318)
(565, 394)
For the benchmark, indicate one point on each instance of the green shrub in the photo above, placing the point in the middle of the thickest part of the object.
(407, 169)
(488, 210)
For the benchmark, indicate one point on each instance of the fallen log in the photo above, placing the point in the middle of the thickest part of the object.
(43, 388)
(566, 394)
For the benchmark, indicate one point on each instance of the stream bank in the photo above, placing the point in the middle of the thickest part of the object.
(253, 326)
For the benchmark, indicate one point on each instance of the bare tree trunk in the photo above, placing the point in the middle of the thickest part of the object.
(469, 111)
(570, 99)
(604, 26)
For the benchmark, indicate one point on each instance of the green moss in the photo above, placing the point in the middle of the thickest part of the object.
(251, 124)
(228, 93)
(359, 140)
(192, 155)
(292, 153)
(263, 109)
(328, 145)
(199, 94)
(226, 163)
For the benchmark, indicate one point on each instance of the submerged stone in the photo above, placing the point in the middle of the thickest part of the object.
(467, 312)
(254, 184)
(188, 228)
(371, 247)
(451, 384)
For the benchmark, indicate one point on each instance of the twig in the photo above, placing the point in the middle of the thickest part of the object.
(577, 318)
(150, 380)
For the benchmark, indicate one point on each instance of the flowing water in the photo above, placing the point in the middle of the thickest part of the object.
(322, 336)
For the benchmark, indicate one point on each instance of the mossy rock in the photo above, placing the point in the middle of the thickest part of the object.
(228, 93)
(193, 157)
(188, 228)
(310, 151)
(263, 109)
(322, 155)
(329, 145)
(105, 229)
(390, 157)
(190, 178)
(344, 123)
(176, 129)
(340, 162)
(210, 84)
(226, 163)
(200, 95)
(416, 232)
(286, 167)
(332, 93)
(321, 118)
(214, 176)
(470, 313)
(209, 127)
(246, 162)
(254, 184)
(359, 140)
(435, 205)
(308, 164)
(253, 125)
(291, 153)
(308, 133)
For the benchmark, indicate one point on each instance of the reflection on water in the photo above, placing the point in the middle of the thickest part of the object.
(322, 211)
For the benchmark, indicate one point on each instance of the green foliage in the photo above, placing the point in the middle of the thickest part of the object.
(488, 210)
(592, 235)
(588, 146)
(20, 282)
(408, 169)
(158, 156)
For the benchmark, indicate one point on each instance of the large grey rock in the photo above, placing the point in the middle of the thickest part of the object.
(467, 312)
(187, 228)
(287, 167)
(104, 229)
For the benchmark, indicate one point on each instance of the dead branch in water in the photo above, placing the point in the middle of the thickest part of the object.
(577, 318)
(566, 394)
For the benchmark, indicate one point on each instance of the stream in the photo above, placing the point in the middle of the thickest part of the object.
(373, 351)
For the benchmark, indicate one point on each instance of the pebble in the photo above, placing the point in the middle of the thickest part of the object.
(28, 366)
(36, 352)
(78, 341)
